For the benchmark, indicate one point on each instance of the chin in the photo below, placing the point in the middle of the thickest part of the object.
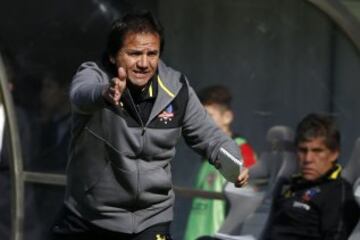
(309, 177)
(139, 82)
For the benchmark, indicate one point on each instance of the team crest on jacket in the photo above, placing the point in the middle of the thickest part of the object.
(167, 115)
(310, 194)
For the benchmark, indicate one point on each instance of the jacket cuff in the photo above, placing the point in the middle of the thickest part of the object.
(229, 164)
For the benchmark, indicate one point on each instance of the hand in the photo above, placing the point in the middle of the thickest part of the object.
(243, 178)
(113, 92)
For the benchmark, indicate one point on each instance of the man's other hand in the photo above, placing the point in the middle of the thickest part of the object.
(243, 178)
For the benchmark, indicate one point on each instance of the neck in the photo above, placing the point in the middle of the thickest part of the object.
(228, 132)
(137, 89)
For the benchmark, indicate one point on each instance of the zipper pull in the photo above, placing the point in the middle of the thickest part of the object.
(143, 131)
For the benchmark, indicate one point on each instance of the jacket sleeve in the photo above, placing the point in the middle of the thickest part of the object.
(340, 214)
(86, 88)
(202, 135)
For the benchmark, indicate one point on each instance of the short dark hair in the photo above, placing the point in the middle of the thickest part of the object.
(136, 22)
(317, 125)
(216, 94)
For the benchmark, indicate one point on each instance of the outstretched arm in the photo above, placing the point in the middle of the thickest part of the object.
(202, 134)
(91, 88)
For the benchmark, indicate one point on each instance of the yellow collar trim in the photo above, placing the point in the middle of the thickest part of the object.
(151, 90)
(164, 87)
(336, 173)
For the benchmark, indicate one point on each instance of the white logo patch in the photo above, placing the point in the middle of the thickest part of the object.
(297, 204)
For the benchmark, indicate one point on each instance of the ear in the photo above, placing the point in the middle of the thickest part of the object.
(228, 117)
(335, 155)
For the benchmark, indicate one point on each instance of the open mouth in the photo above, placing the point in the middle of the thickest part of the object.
(308, 171)
(140, 74)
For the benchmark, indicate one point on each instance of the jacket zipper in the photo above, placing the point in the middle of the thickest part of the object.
(137, 114)
(134, 106)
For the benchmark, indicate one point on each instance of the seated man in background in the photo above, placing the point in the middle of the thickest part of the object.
(317, 203)
(207, 215)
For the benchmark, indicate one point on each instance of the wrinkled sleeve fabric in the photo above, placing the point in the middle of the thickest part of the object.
(86, 88)
(202, 135)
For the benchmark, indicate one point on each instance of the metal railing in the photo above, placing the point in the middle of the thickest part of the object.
(16, 163)
(343, 18)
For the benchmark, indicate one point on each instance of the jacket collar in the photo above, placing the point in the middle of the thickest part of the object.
(333, 174)
(169, 86)
(149, 92)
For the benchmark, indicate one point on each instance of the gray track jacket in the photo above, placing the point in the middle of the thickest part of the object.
(119, 175)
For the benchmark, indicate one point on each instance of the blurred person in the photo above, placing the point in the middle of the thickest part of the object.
(128, 112)
(207, 215)
(53, 130)
(55, 121)
(318, 203)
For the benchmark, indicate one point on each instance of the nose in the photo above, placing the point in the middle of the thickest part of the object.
(143, 61)
(308, 156)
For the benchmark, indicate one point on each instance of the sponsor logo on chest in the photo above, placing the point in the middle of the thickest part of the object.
(306, 197)
(167, 114)
(304, 206)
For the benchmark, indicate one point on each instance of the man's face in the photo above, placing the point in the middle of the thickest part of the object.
(139, 56)
(221, 116)
(315, 158)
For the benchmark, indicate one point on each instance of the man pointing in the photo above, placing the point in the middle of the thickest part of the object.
(128, 114)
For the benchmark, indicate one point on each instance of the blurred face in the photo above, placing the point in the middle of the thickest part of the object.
(139, 56)
(315, 158)
(221, 116)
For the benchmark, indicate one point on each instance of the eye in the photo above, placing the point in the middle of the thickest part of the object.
(134, 54)
(302, 150)
(153, 53)
(318, 150)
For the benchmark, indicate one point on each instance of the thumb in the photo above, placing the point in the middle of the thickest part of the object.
(121, 74)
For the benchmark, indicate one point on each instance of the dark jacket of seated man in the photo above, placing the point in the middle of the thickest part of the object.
(318, 203)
